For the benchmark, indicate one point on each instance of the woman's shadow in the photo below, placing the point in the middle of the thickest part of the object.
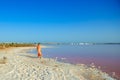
(30, 56)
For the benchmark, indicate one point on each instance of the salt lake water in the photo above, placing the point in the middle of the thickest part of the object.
(105, 56)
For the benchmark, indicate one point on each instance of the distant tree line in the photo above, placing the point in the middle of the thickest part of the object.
(7, 45)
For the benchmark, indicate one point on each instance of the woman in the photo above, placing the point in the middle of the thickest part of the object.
(39, 50)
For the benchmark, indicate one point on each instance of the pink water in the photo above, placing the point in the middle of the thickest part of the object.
(105, 56)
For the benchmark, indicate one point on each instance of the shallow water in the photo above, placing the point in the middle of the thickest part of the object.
(105, 56)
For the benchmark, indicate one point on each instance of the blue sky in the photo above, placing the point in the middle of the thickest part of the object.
(59, 21)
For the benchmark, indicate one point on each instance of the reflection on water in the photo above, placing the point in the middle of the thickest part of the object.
(106, 56)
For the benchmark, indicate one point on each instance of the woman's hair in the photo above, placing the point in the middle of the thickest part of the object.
(38, 43)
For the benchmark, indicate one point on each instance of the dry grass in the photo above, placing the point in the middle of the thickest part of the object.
(7, 45)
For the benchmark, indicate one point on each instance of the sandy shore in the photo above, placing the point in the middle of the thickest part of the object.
(19, 65)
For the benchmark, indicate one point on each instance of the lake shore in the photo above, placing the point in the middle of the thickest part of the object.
(17, 64)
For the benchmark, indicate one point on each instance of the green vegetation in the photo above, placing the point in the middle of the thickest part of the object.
(7, 45)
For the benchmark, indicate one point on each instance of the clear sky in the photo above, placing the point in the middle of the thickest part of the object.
(59, 20)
